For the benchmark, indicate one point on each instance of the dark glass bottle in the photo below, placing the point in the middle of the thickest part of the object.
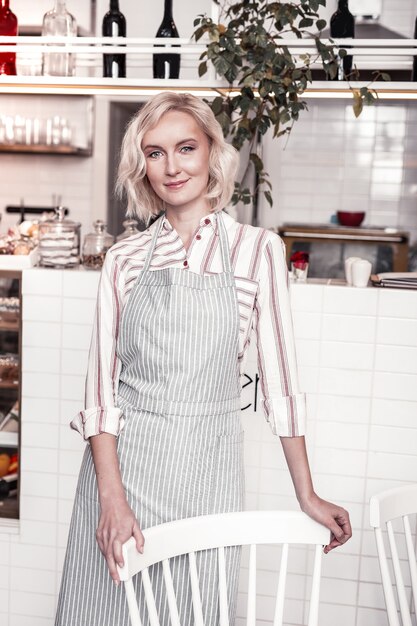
(167, 65)
(414, 74)
(114, 25)
(8, 26)
(342, 24)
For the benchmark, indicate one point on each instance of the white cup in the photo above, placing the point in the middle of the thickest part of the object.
(361, 271)
(348, 268)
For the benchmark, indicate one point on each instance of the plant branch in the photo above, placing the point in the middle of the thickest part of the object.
(248, 49)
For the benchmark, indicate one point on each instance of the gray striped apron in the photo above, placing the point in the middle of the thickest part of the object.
(181, 449)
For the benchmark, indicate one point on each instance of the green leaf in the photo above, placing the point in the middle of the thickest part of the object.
(268, 197)
(313, 5)
(257, 162)
(385, 76)
(331, 69)
(357, 102)
(202, 68)
(217, 105)
(224, 121)
(199, 33)
(321, 24)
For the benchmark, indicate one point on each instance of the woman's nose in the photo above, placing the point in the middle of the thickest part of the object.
(172, 165)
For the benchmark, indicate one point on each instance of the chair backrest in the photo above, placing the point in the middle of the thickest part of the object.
(386, 507)
(246, 528)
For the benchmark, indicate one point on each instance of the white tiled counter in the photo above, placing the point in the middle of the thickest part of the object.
(357, 354)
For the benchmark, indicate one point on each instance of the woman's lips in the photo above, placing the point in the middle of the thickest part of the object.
(177, 184)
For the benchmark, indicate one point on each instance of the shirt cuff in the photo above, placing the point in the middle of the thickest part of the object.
(97, 420)
(286, 415)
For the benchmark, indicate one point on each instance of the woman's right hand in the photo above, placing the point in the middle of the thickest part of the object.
(116, 525)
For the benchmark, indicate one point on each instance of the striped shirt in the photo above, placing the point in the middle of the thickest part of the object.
(261, 278)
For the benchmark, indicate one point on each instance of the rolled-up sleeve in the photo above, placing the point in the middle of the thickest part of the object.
(100, 413)
(283, 403)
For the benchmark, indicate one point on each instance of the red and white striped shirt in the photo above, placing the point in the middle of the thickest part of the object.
(261, 278)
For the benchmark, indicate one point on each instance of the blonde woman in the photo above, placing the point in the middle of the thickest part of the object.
(176, 307)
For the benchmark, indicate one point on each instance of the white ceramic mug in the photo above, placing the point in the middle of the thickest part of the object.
(361, 272)
(348, 268)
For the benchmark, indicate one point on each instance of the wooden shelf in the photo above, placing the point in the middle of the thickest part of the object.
(44, 149)
(8, 385)
(9, 326)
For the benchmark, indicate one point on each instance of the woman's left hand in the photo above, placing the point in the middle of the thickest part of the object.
(334, 517)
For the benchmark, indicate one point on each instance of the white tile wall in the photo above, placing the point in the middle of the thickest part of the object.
(357, 364)
(345, 163)
(361, 342)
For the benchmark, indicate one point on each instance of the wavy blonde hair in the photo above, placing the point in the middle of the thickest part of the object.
(142, 201)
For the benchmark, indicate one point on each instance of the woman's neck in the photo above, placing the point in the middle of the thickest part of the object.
(186, 220)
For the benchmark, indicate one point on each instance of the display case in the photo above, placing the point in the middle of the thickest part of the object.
(10, 391)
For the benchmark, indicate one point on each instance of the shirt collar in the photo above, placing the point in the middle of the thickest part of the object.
(211, 217)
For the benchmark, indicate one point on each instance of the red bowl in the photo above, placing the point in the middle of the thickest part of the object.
(350, 218)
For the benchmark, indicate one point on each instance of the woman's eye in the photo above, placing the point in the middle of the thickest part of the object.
(154, 154)
(187, 149)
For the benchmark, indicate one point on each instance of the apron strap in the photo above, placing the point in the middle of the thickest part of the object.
(152, 246)
(224, 243)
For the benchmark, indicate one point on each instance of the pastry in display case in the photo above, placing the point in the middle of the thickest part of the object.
(10, 376)
(18, 250)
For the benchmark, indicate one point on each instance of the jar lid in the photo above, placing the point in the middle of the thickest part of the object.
(59, 218)
(99, 226)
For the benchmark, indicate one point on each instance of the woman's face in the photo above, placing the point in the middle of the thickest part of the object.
(177, 161)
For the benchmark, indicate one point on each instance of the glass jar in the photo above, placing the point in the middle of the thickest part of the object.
(96, 245)
(130, 228)
(59, 241)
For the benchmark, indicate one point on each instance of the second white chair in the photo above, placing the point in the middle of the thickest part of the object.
(191, 535)
(386, 507)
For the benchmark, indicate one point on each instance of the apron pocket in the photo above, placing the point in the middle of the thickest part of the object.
(229, 439)
(229, 473)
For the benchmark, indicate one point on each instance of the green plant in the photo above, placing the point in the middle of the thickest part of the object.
(248, 49)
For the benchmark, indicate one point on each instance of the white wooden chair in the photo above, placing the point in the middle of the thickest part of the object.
(191, 535)
(386, 507)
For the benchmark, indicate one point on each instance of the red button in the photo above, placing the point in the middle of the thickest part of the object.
(198, 236)
(207, 221)
(185, 263)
